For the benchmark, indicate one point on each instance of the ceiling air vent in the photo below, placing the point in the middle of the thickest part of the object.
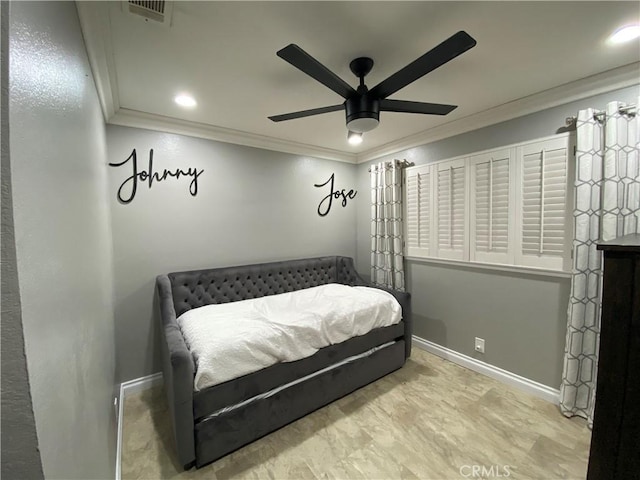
(156, 10)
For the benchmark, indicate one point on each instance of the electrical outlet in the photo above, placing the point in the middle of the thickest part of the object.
(479, 345)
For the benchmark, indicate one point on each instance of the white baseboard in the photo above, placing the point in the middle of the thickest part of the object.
(126, 389)
(529, 386)
(140, 384)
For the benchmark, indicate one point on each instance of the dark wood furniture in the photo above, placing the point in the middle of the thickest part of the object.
(615, 441)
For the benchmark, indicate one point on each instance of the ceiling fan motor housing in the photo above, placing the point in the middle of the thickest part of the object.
(363, 113)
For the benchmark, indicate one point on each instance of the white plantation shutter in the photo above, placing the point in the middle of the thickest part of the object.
(509, 206)
(543, 204)
(418, 217)
(450, 219)
(491, 198)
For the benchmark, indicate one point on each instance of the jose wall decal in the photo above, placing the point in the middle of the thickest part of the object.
(325, 204)
(129, 187)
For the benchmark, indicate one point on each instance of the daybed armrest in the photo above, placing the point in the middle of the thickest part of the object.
(348, 274)
(404, 299)
(178, 374)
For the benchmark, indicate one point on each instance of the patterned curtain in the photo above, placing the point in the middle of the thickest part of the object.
(387, 268)
(607, 205)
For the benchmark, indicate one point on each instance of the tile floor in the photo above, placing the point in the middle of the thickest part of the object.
(431, 419)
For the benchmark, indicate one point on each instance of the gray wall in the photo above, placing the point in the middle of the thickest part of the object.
(522, 317)
(20, 455)
(252, 205)
(62, 240)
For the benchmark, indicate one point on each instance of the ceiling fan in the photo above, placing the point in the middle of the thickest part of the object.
(362, 106)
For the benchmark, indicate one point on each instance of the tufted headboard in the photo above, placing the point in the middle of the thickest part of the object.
(221, 285)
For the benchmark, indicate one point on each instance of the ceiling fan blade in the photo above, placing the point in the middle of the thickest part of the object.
(434, 58)
(309, 65)
(306, 113)
(405, 106)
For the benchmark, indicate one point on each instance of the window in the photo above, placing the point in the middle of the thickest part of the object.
(508, 206)
(450, 208)
(544, 215)
(418, 211)
(492, 199)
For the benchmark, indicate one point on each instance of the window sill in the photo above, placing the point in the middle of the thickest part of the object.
(493, 266)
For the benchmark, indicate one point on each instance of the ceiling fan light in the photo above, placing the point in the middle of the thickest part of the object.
(362, 124)
(354, 138)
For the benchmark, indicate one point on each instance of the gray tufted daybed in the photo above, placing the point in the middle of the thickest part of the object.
(203, 429)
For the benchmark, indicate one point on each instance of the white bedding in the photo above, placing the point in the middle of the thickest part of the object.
(233, 339)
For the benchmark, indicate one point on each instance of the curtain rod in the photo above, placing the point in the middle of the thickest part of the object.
(402, 163)
(598, 115)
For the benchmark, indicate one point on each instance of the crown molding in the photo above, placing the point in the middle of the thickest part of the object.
(133, 118)
(94, 20)
(96, 31)
(615, 79)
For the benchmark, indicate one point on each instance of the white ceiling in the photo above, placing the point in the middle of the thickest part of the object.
(224, 54)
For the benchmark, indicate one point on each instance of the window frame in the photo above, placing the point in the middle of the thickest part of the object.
(510, 261)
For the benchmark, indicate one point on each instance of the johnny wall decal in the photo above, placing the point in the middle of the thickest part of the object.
(351, 194)
(150, 176)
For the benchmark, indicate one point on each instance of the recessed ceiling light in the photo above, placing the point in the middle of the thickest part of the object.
(354, 138)
(185, 100)
(625, 34)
